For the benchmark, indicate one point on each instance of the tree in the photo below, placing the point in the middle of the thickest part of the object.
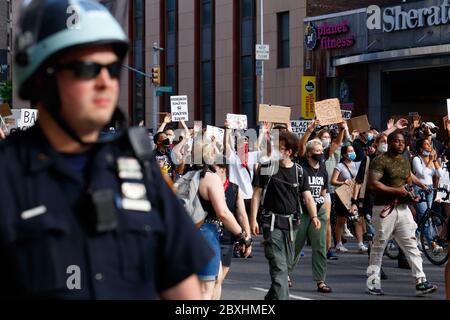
(6, 91)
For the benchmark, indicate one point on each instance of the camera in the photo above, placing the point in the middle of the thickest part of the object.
(354, 217)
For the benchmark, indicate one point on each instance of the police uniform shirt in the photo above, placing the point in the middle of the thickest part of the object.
(48, 248)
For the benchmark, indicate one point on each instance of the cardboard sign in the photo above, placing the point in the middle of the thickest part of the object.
(5, 110)
(27, 118)
(299, 127)
(179, 108)
(328, 111)
(237, 121)
(345, 193)
(216, 132)
(359, 123)
(274, 114)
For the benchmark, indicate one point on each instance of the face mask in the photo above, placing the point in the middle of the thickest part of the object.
(370, 137)
(171, 138)
(166, 142)
(326, 142)
(433, 136)
(352, 156)
(426, 153)
(317, 157)
(383, 148)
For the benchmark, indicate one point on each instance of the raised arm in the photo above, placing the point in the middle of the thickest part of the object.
(302, 142)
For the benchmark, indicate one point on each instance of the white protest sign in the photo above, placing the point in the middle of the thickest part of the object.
(237, 121)
(27, 118)
(217, 133)
(179, 108)
(346, 114)
(299, 127)
(444, 182)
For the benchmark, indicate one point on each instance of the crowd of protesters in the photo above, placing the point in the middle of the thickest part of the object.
(284, 186)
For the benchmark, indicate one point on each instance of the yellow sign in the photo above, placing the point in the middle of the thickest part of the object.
(308, 97)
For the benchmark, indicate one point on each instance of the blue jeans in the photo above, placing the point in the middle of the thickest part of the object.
(421, 209)
(211, 235)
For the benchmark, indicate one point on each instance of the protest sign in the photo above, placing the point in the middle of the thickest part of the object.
(5, 110)
(299, 127)
(274, 114)
(328, 111)
(27, 118)
(345, 193)
(448, 107)
(179, 108)
(237, 121)
(216, 132)
(359, 123)
(346, 114)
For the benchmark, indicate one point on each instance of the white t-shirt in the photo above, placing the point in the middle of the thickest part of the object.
(424, 173)
(240, 175)
(344, 171)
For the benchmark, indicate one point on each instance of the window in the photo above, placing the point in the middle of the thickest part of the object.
(283, 40)
(171, 53)
(138, 60)
(207, 61)
(247, 60)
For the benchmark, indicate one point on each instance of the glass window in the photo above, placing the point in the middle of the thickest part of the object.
(206, 13)
(247, 8)
(283, 40)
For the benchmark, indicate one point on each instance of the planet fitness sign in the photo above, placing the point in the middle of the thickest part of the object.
(326, 33)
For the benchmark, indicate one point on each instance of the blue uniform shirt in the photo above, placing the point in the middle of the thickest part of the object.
(48, 248)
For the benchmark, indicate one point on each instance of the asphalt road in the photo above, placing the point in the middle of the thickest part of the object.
(249, 279)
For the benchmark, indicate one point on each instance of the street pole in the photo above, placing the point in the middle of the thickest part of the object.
(156, 50)
(261, 81)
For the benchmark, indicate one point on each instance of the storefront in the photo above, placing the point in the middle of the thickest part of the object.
(383, 62)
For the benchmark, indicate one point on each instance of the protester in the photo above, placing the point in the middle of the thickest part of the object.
(279, 196)
(389, 174)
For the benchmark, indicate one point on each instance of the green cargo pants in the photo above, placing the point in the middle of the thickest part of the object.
(279, 251)
(318, 243)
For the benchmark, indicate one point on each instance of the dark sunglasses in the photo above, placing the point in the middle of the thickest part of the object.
(88, 70)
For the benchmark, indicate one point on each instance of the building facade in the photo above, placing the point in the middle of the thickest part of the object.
(385, 60)
(5, 39)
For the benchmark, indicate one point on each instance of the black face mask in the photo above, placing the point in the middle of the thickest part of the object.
(165, 142)
(317, 157)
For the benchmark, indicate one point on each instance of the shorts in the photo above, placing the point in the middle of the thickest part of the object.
(227, 254)
(211, 235)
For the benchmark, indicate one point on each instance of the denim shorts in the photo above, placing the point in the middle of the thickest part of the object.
(211, 235)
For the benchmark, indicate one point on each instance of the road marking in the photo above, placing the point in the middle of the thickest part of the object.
(291, 295)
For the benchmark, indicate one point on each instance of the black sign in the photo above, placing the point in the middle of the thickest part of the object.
(310, 37)
(3, 65)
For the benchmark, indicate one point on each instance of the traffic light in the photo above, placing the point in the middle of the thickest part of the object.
(156, 76)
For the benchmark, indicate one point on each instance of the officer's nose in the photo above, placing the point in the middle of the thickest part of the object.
(103, 79)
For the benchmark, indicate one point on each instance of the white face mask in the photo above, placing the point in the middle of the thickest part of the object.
(383, 147)
(433, 136)
(326, 143)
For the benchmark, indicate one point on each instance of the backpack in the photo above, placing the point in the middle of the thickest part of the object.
(187, 191)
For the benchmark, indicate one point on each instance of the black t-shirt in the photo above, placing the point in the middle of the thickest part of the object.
(281, 195)
(315, 180)
(231, 195)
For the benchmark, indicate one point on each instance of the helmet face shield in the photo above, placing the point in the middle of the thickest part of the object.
(49, 27)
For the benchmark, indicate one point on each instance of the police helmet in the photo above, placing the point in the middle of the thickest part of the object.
(47, 28)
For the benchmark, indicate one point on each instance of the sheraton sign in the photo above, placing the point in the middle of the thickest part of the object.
(396, 18)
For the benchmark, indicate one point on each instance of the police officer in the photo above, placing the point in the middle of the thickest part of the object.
(84, 216)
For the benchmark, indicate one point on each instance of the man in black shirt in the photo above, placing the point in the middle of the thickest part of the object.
(315, 178)
(279, 195)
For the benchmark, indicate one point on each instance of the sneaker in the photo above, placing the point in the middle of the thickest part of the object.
(362, 249)
(331, 255)
(340, 248)
(302, 253)
(424, 287)
(347, 233)
(437, 249)
(375, 291)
